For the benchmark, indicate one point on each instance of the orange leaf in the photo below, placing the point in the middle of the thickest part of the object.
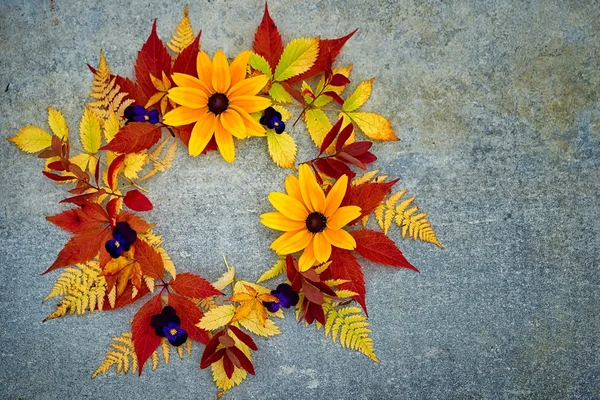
(149, 259)
(193, 286)
(134, 137)
(80, 248)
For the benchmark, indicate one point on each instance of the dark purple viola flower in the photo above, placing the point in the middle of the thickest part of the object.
(286, 295)
(271, 306)
(113, 247)
(272, 119)
(167, 324)
(123, 238)
(140, 114)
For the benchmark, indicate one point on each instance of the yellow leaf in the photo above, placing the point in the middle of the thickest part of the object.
(276, 270)
(259, 63)
(318, 125)
(168, 263)
(279, 94)
(134, 163)
(298, 57)
(225, 279)
(373, 125)
(89, 131)
(217, 317)
(220, 378)
(85, 162)
(285, 113)
(58, 124)
(32, 139)
(183, 35)
(359, 97)
(352, 327)
(282, 149)
(111, 126)
(253, 324)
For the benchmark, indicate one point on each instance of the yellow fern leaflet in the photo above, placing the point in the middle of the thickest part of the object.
(107, 94)
(352, 326)
(183, 35)
(274, 271)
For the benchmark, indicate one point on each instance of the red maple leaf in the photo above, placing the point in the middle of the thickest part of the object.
(145, 341)
(81, 248)
(190, 315)
(153, 59)
(193, 286)
(345, 266)
(185, 62)
(149, 259)
(367, 196)
(267, 40)
(89, 217)
(377, 247)
(134, 137)
(137, 201)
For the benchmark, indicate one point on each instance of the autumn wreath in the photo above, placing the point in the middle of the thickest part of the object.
(129, 132)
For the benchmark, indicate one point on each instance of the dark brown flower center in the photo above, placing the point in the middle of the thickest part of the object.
(316, 222)
(217, 103)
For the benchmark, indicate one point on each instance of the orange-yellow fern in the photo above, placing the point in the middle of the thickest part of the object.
(107, 94)
(183, 35)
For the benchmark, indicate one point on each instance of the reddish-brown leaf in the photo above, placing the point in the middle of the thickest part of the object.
(84, 198)
(193, 286)
(292, 273)
(340, 168)
(137, 201)
(185, 62)
(295, 93)
(79, 220)
(134, 137)
(343, 137)
(267, 40)
(244, 361)
(339, 80)
(135, 222)
(212, 358)
(190, 315)
(357, 148)
(149, 259)
(228, 366)
(367, 196)
(377, 247)
(335, 97)
(245, 338)
(330, 137)
(59, 165)
(311, 293)
(145, 341)
(210, 349)
(348, 159)
(345, 266)
(80, 248)
(113, 170)
(153, 59)
(58, 178)
(367, 158)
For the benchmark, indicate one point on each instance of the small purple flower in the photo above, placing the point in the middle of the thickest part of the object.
(123, 238)
(286, 295)
(167, 324)
(140, 114)
(272, 119)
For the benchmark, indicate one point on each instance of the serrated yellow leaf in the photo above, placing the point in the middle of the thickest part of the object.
(217, 317)
(58, 124)
(111, 126)
(359, 97)
(89, 131)
(134, 163)
(298, 57)
(276, 270)
(318, 125)
(220, 377)
(259, 63)
(375, 126)
(253, 324)
(285, 113)
(282, 149)
(85, 162)
(226, 279)
(279, 94)
(32, 139)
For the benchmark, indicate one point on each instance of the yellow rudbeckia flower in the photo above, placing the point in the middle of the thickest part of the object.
(219, 101)
(311, 221)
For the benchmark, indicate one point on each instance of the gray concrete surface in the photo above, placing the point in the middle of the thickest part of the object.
(497, 105)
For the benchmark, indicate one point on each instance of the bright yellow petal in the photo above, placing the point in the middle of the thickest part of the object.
(296, 242)
(221, 78)
(204, 69)
(311, 192)
(184, 80)
(322, 248)
(189, 97)
(250, 104)
(248, 87)
(292, 187)
(278, 221)
(238, 66)
(307, 259)
(183, 116)
(201, 134)
(233, 123)
(225, 142)
(253, 127)
(336, 195)
(288, 206)
(340, 238)
(342, 216)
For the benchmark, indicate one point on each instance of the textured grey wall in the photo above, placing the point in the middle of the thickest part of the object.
(497, 105)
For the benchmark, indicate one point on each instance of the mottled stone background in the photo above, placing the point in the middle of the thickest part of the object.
(497, 107)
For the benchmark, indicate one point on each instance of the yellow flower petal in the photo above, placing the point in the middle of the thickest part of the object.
(291, 242)
(322, 247)
(336, 195)
(248, 87)
(233, 123)
(304, 174)
(288, 206)
(342, 216)
(307, 259)
(253, 127)
(250, 104)
(340, 238)
(183, 116)
(185, 80)
(292, 187)
(221, 78)
(201, 134)
(225, 142)
(189, 97)
(204, 70)
(237, 68)
(278, 221)
(312, 194)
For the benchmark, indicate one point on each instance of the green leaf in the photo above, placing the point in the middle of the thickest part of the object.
(260, 64)
(279, 94)
(298, 57)
(359, 97)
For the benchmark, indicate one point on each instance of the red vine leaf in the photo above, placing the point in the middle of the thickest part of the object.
(185, 62)
(345, 266)
(190, 315)
(137, 201)
(267, 40)
(145, 341)
(377, 247)
(193, 286)
(149, 259)
(367, 196)
(134, 137)
(153, 59)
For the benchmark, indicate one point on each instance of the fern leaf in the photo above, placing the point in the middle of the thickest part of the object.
(274, 271)
(183, 35)
(106, 93)
(121, 355)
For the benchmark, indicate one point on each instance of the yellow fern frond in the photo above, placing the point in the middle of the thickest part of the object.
(277, 269)
(160, 164)
(121, 355)
(352, 326)
(81, 289)
(107, 95)
(184, 34)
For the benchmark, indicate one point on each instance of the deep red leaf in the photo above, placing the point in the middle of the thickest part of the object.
(190, 315)
(311, 293)
(80, 248)
(149, 259)
(193, 286)
(137, 201)
(367, 158)
(335, 97)
(323, 166)
(145, 341)
(345, 266)
(185, 62)
(135, 222)
(339, 80)
(58, 178)
(341, 168)
(153, 59)
(357, 148)
(244, 361)
(113, 170)
(367, 196)
(210, 349)
(212, 358)
(134, 137)
(57, 165)
(245, 338)
(97, 172)
(348, 159)
(343, 137)
(331, 135)
(295, 93)
(292, 273)
(267, 40)
(84, 198)
(377, 247)
(228, 366)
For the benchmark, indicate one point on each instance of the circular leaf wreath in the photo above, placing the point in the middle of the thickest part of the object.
(114, 259)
